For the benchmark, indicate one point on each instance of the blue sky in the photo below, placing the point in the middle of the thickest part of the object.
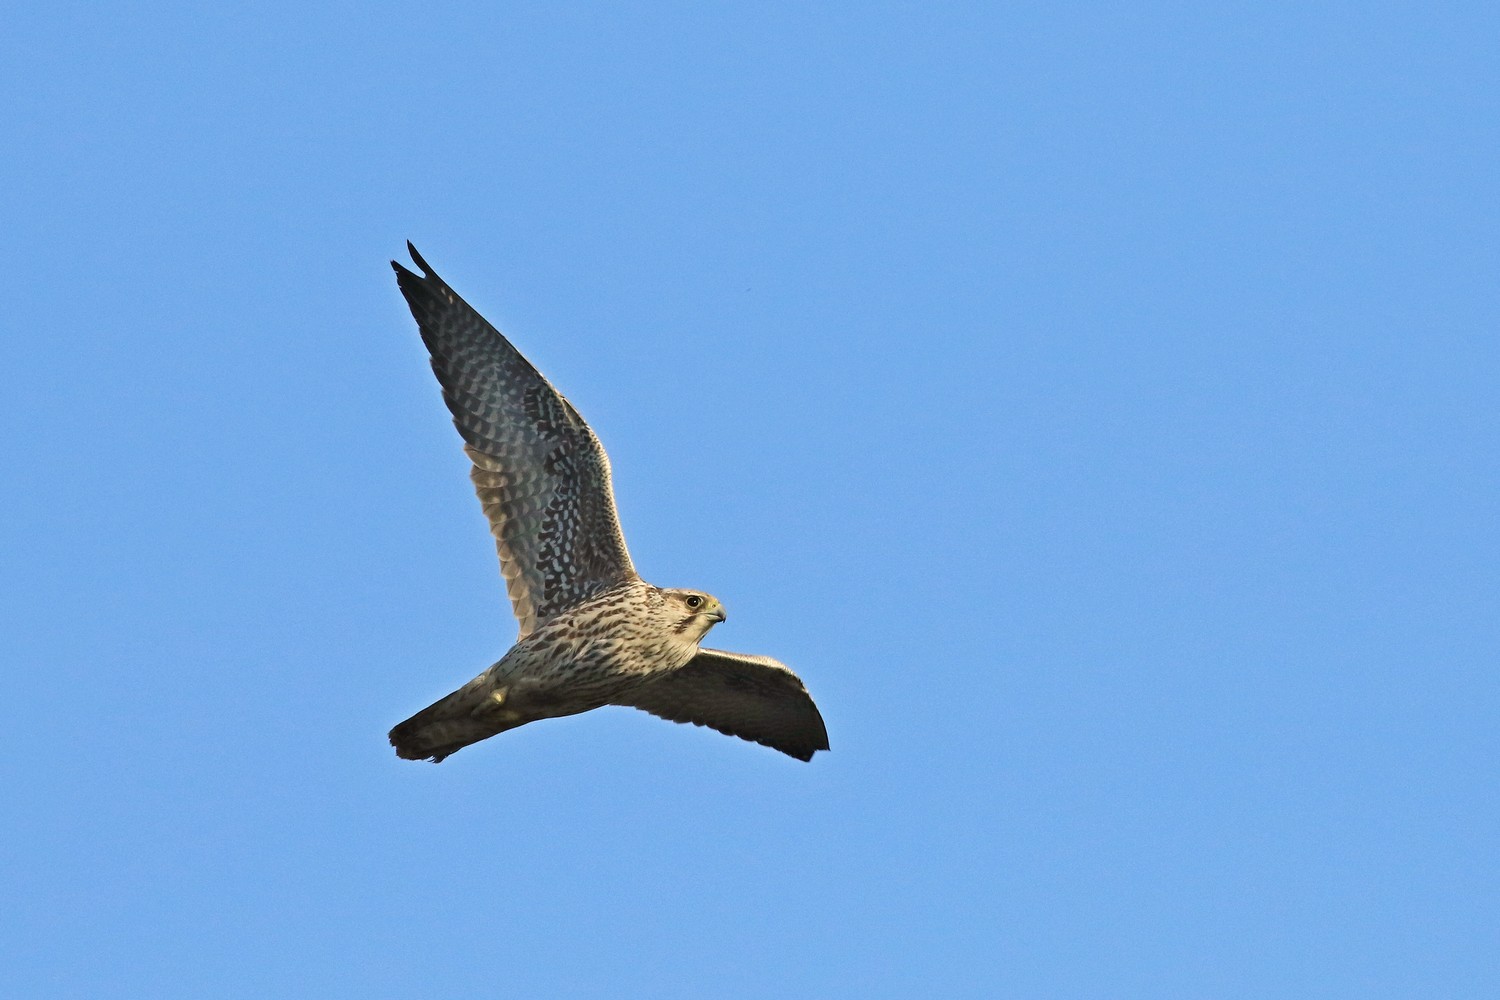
(1094, 403)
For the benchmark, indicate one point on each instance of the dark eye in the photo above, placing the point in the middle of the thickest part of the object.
(695, 602)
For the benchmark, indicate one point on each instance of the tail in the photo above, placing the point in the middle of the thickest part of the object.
(449, 724)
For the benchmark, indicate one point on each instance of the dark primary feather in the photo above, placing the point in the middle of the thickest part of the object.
(752, 697)
(540, 473)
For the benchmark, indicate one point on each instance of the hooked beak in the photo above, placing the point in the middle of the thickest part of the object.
(716, 613)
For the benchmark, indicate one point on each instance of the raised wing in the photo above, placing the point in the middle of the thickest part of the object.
(540, 472)
(753, 697)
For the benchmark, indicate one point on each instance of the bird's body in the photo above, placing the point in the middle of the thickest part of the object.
(593, 633)
(585, 658)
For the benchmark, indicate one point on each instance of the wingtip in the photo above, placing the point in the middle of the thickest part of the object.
(417, 259)
(402, 269)
(803, 751)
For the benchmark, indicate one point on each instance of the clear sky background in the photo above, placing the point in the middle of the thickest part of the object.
(1095, 403)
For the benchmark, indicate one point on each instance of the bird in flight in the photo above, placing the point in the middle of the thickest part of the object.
(593, 633)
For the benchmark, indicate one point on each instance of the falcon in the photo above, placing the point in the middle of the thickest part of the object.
(592, 632)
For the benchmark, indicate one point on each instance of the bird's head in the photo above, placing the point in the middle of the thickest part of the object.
(693, 612)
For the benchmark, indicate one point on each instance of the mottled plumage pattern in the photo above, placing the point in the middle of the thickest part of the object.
(540, 473)
(592, 632)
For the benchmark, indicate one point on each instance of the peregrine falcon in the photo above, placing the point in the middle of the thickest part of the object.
(593, 633)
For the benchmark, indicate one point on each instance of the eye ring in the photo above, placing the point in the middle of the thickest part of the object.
(694, 602)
